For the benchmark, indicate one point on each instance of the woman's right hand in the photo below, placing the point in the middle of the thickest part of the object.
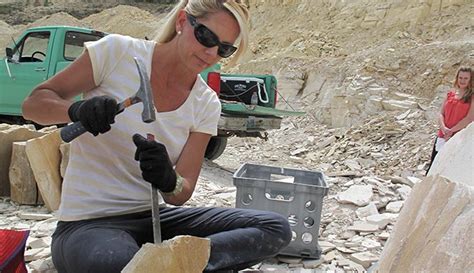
(96, 114)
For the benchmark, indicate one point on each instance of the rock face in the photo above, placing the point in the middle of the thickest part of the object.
(433, 231)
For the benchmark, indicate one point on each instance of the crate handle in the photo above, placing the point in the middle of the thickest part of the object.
(280, 196)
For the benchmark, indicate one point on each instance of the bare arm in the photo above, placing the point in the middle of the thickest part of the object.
(442, 126)
(49, 102)
(189, 166)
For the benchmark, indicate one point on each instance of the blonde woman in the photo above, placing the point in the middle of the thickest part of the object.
(456, 111)
(105, 212)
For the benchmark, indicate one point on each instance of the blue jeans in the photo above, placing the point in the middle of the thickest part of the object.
(239, 238)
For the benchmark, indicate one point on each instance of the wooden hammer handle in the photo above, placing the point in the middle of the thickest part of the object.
(71, 131)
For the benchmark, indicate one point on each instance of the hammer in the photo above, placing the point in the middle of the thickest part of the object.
(148, 115)
(144, 95)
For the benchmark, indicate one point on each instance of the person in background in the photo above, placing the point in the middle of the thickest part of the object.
(105, 211)
(456, 111)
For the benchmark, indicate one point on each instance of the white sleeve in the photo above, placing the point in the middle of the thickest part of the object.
(209, 117)
(105, 54)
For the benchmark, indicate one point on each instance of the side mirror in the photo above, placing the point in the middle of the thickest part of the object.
(9, 52)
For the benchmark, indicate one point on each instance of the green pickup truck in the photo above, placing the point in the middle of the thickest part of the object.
(248, 101)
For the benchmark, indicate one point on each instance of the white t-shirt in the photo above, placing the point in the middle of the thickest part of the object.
(103, 178)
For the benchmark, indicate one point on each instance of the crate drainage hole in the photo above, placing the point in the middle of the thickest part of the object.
(307, 238)
(293, 220)
(247, 199)
(293, 236)
(308, 222)
(310, 206)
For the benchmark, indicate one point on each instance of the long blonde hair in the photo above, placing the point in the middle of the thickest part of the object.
(468, 92)
(201, 8)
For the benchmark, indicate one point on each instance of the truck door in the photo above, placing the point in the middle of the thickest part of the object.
(73, 47)
(28, 68)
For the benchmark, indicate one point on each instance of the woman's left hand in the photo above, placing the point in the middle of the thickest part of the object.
(155, 163)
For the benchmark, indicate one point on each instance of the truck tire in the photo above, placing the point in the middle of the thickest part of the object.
(215, 147)
(18, 120)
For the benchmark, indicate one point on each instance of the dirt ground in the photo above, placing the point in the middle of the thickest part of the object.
(370, 75)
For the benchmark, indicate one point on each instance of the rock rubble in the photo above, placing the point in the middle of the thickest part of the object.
(349, 240)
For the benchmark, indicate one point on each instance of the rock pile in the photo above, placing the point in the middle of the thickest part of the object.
(394, 145)
(41, 224)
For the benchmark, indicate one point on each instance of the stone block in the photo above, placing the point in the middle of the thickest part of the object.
(432, 231)
(455, 160)
(23, 188)
(182, 254)
(8, 135)
(44, 156)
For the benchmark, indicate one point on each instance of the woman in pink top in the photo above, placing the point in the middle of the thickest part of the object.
(456, 111)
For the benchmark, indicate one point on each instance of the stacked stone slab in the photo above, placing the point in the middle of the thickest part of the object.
(45, 158)
(8, 135)
(23, 187)
(434, 229)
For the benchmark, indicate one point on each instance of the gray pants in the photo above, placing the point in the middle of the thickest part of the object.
(239, 238)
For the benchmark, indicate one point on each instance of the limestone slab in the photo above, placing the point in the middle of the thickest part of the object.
(44, 156)
(432, 231)
(359, 195)
(9, 135)
(455, 160)
(182, 254)
(23, 188)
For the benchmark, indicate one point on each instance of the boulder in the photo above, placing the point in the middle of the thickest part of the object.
(432, 231)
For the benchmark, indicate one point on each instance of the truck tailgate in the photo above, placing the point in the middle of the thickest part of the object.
(248, 123)
(237, 108)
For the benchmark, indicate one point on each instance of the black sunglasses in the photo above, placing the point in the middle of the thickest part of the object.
(208, 38)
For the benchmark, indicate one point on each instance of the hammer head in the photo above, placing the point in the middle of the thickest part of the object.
(144, 93)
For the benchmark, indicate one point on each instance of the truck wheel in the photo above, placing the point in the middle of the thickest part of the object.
(18, 120)
(215, 147)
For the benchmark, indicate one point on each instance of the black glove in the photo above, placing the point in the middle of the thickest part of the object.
(155, 163)
(96, 114)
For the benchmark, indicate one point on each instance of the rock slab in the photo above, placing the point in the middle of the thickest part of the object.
(8, 135)
(182, 254)
(432, 232)
(44, 157)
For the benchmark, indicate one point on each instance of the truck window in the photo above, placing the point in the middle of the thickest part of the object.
(33, 48)
(74, 43)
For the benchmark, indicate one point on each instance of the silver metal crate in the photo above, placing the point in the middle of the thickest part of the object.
(295, 194)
